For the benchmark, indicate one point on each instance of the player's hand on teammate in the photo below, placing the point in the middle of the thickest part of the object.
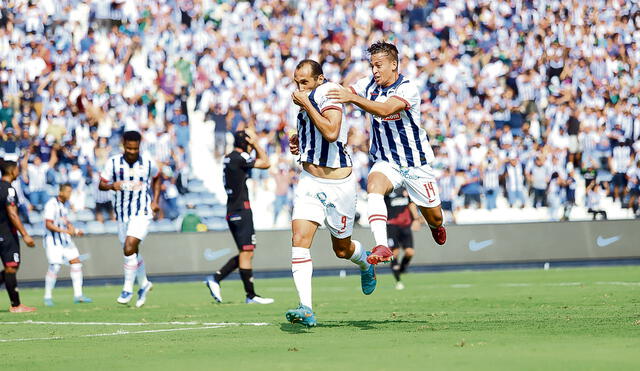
(294, 144)
(341, 95)
(117, 186)
(29, 240)
(155, 207)
(300, 98)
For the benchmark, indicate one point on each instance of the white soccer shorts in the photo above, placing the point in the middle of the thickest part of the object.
(420, 182)
(331, 202)
(58, 254)
(137, 226)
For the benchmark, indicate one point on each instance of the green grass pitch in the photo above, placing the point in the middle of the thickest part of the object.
(561, 319)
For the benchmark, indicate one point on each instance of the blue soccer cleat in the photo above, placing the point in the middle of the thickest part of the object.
(368, 278)
(125, 297)
(142, 294)
(81, 299)
(302, 315)
(48, 302)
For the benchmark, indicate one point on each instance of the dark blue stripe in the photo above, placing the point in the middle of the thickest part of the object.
(397, 83)
(312, 144)
(408, 153)
(121, 192)
(376, 133)
(324, 152)
(113, 179)
(146, 193)
(392, 144)
(302, 135)
(139, 192)
(342, 154)
(130, 192)
(366, 90)
(416, 135)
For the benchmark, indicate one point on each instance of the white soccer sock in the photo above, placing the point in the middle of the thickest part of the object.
(141, 272)
(378, 218)
(130, 267)
(302, 269)
(76, 279)
(50, 280)
(359, 256)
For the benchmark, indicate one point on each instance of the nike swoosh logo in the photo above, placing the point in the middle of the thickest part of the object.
(477, 246)
(210, 255)
(602, 242)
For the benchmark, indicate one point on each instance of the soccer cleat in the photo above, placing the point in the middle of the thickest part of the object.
(259, 300)
(48, 302)
(368, 278)
(302, 315)
(379, 254)
(21, 309)
(214, 288)
(399, 286)
(439, 235)
(142, 294)
(81, 299)
(125, 297)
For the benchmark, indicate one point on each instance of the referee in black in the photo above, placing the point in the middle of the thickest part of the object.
(237, 168)
(9, 244)
(403, 217)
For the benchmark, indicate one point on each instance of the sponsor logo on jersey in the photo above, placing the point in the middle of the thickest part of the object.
(394, 117)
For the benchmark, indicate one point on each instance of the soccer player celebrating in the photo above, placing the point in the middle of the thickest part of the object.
(326, 192)
(403, 218)
(132, 176)
(237, 166)
(9, 246)
(59, 246)
(398, 145)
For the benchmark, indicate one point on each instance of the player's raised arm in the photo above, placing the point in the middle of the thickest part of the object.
(262, 159)
(328, 121)
(381, 109)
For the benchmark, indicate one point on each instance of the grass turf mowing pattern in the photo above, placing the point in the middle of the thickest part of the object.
(521, 319)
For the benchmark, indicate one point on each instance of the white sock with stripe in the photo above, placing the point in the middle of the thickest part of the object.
(76, 279)
(130, 267)
(378, 218)
(359, 256)
(302, 269)
(141, 272)
(50, 280)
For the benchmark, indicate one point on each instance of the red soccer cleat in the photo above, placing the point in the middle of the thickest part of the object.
(439, 235)
(379, 254)
(22, 309)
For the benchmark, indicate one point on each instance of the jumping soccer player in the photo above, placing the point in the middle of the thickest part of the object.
(326, 192)
(403, 219)
(398, 145)
(9, 244)
(237, 166)
(59, 246)
(132, 176)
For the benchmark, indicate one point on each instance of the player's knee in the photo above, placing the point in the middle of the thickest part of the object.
(408, 252)
(11, 268)
(300, 239)
(341, 252)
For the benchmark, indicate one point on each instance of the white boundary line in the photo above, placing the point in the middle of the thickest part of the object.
(30, 322)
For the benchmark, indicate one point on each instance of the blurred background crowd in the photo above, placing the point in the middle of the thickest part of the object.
(532, 106)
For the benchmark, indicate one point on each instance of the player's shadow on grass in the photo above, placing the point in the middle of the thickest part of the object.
(362, 325)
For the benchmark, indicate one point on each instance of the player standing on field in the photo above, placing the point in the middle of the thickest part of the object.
(326, 192)
(59, 246)
(9, 244)
(237, 167)
(132, 176)
(403, 220)
(398, 145)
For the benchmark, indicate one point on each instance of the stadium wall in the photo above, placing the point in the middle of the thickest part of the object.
(189, 253)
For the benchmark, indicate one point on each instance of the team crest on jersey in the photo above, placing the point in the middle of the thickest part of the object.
(394, 117)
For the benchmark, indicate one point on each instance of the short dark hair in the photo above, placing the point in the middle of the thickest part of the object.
(6, 166)
(384, 47)
(316, 68)
(131, 136)
(240, 140)
(65, 185)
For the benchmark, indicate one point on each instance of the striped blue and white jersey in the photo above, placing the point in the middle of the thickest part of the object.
(135, 198)
(398, 138)
(315, 149)
(57, 212)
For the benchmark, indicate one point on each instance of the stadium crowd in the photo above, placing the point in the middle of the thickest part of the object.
(521, 98)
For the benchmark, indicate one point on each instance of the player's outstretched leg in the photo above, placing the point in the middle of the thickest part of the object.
(49, 283)
(144, 284)
(302, 315)
(378, 223)
(76, 281)
(246, 274)
(213, 282)
(353, 250)
(130, 267)
(433, 216)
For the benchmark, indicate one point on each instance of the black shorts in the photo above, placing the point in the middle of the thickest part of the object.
(619, 180)
(447, 205)
(9, 250)
(399, 236)
(104, 207)
(241, 226)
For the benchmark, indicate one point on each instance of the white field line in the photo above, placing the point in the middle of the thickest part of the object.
(204, 326)
(29, 322)
(619, 283)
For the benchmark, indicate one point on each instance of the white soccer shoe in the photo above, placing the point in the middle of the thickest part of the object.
(142, 294)
(125, 297)
(259, 300)
(214, 288)
(399, 286)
